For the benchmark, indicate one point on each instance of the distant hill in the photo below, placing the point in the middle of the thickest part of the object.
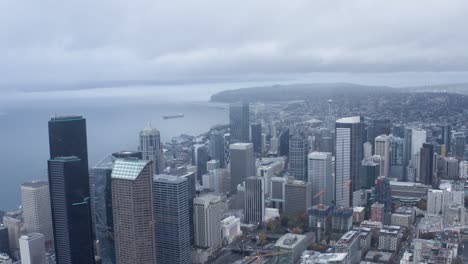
(322, 91)
(297, 92)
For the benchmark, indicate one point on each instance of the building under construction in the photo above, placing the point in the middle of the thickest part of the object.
(342, 220)
(319, 221)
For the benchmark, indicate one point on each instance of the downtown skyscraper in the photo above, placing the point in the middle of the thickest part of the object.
(242, 163)
(239, 122)
(151, 148)
(69, 190)
(171, 220)
(349, 153)
(132, 211)
(298, 151)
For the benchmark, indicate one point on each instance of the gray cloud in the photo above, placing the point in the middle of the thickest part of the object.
(69, 41)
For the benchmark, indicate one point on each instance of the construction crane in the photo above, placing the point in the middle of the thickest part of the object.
(321, 193)
(259, 256)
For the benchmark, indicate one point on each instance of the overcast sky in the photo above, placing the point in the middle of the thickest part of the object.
(86, 41)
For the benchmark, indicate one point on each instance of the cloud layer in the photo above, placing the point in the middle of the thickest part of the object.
(81, 41)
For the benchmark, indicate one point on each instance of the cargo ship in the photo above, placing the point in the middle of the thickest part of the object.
(173, 116)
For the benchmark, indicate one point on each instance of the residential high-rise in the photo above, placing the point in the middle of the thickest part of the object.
(200, 156)
(172, 229)
(217, 147)
(297, 197)
(349, 243)
(227, 152)
(447, 137)
(208, 214)
(69, 190)
(283, 139)
(396, 158)
(254, 212)
(459, 145)
(382, 148)
(239, 122)
(406, 151)
(242, 163)
(418, 138)
(298, 151)
(256, 131)
(32, 249)
(132, 211)
(426, 168)
(349, 144)
(151, 148)
(37, 216)
(320, 177)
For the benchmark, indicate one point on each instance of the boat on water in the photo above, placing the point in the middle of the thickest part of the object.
(180, 115)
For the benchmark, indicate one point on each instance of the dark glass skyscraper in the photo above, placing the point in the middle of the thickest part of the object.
(217, 151)
(256, 131)
(69, 190)
(426, 164)
(239, 122)
(171, 227)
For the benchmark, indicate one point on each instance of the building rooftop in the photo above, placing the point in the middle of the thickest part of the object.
(66, 159)
(330, 257)
(128, 169)
(31, 236)
(347, 238)
(241, 146)
(35, 184)
(289, 241)
(378, 256)
(65, 118)
(349, 120)
(168, 178)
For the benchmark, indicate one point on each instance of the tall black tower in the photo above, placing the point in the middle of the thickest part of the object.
(69, 190)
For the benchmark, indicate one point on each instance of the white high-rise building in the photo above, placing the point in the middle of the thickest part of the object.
(439, 200)
(208, 214)
(382, 148)
(367, 148)
(349, 152)
(151, 148)
(418, 138)
(320, 177)
(32, 249)
(37, 216)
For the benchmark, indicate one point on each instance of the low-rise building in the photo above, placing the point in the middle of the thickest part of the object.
(295, 244)
(230, 229)
(377, 257)
(359, 214)
(389, 238)
(350, 243)
(330, 258)
(402, 220)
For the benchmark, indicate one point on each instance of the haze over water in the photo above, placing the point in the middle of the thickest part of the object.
(115, 116)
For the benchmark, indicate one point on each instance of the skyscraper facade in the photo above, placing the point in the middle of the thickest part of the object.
(349, 153)
(396, 158)
(71, 210)
(217, 147)
(447, 137)
(426, 168)
(242, 163)
(254, 212)
(320, 177)
(208, 214)
(200, 156)
(382, 148)
(132, 211)
(298, 151)
(297, 197)
(256, 139)
(418, 138)
(151, 148)
(284, 142)
(37, 216)
(69, 190)
(239, 122)
(406, 152)
(32, 249)
(172, 231)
